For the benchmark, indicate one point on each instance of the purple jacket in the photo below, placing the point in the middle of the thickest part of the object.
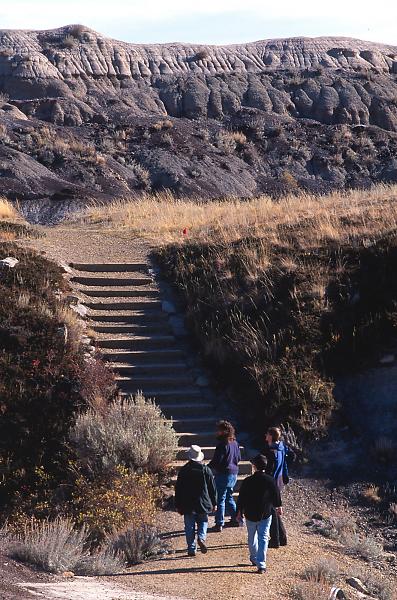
(226, 458)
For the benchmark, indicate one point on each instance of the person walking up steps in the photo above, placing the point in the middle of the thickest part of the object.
(195, 497)
(225, 467)
(258, 496)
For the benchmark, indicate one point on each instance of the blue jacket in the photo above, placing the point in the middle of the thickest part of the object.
(226, 458)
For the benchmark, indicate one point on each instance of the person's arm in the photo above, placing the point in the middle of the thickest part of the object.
(211, 487)
(276, 499)
(218, 458)
(241, 502)
(178, 492)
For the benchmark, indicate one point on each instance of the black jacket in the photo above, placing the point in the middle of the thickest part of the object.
(195, 489)
(258, 495)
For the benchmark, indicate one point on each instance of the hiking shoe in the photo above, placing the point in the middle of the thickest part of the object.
(253, 563)
(202, 546)
(234, 523)
(191, 553)
(261, 571)
(217, 528)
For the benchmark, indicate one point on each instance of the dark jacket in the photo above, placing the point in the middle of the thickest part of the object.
(226, 458)
(195, 490)
(258, 495)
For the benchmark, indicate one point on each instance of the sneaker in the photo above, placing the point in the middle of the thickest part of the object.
(261, 571)
(202, 546)
(191, 553)
(217, 528)
(234, 523)
(253, 562)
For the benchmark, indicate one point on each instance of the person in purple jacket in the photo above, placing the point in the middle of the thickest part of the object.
(225, 468)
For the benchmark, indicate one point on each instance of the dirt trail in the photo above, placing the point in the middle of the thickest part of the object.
(225, 570)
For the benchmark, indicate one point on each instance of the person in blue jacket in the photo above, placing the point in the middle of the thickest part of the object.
(225, 468)
(278, 454)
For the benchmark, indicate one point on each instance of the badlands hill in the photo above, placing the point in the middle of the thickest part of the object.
(83, 116)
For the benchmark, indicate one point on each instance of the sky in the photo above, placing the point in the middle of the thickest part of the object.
(209, 21)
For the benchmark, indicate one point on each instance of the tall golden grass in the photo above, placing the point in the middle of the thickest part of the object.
(7, 210)
(338, 216)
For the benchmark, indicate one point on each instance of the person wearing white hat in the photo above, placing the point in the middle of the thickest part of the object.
(195, 497)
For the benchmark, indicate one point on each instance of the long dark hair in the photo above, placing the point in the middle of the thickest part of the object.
(226, 431)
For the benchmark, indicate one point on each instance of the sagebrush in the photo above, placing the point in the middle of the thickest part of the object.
(132, 432)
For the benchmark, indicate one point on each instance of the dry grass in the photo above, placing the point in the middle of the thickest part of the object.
(337, 217)
(7, 210)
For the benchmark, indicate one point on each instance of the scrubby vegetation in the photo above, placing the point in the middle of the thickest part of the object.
(79, 467)
(283, 296)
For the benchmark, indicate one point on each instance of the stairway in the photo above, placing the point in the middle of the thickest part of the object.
(136, 338)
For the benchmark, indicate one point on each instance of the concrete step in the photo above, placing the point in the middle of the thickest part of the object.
(191, 409)
(139, 330)
(110, 267)
(244, 467)
(119, 293)
(121, 316)
(208, 451)
(137, 343)
(111, 281)
(122, 305)
(194, 424)
(154, 369)
(148, 357)
(179, 380)
(166, 397)
(200, 438)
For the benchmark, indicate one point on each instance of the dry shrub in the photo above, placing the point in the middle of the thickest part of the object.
(337, 527)
(7, 210)
(384, 450)
(69, 41)
(310, 590)
(323, 571)
(163, 125)
(132, 433)
(366, 548)
(228, 141)
(378, 587)
(392, 512)
(371, 495)
(112, 504)
(57, 546)
(138, 543)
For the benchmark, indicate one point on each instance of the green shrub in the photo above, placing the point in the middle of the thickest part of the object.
(132, 432)
(114, 503)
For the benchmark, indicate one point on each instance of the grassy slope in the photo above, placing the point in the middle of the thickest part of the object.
(279, 295)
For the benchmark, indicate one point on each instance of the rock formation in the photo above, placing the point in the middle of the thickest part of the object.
(84, 116)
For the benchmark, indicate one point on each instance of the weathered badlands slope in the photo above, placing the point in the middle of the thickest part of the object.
(88, 116)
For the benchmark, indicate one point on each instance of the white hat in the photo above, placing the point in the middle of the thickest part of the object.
(195, 453)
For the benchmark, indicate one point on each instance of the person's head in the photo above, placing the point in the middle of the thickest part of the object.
(273, 435)
(259, 462)
(225, 431)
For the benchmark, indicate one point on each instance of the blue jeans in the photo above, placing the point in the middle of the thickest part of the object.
(191, 520)
(225, 486)
(258, 540)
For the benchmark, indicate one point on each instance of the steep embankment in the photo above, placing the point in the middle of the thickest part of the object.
(92, 117)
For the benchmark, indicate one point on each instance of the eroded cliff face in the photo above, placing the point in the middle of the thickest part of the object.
(315, 113)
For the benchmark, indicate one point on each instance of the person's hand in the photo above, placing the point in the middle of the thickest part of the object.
(214, 508)
(279, 511)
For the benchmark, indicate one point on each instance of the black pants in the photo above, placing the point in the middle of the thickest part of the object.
(278, 534)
